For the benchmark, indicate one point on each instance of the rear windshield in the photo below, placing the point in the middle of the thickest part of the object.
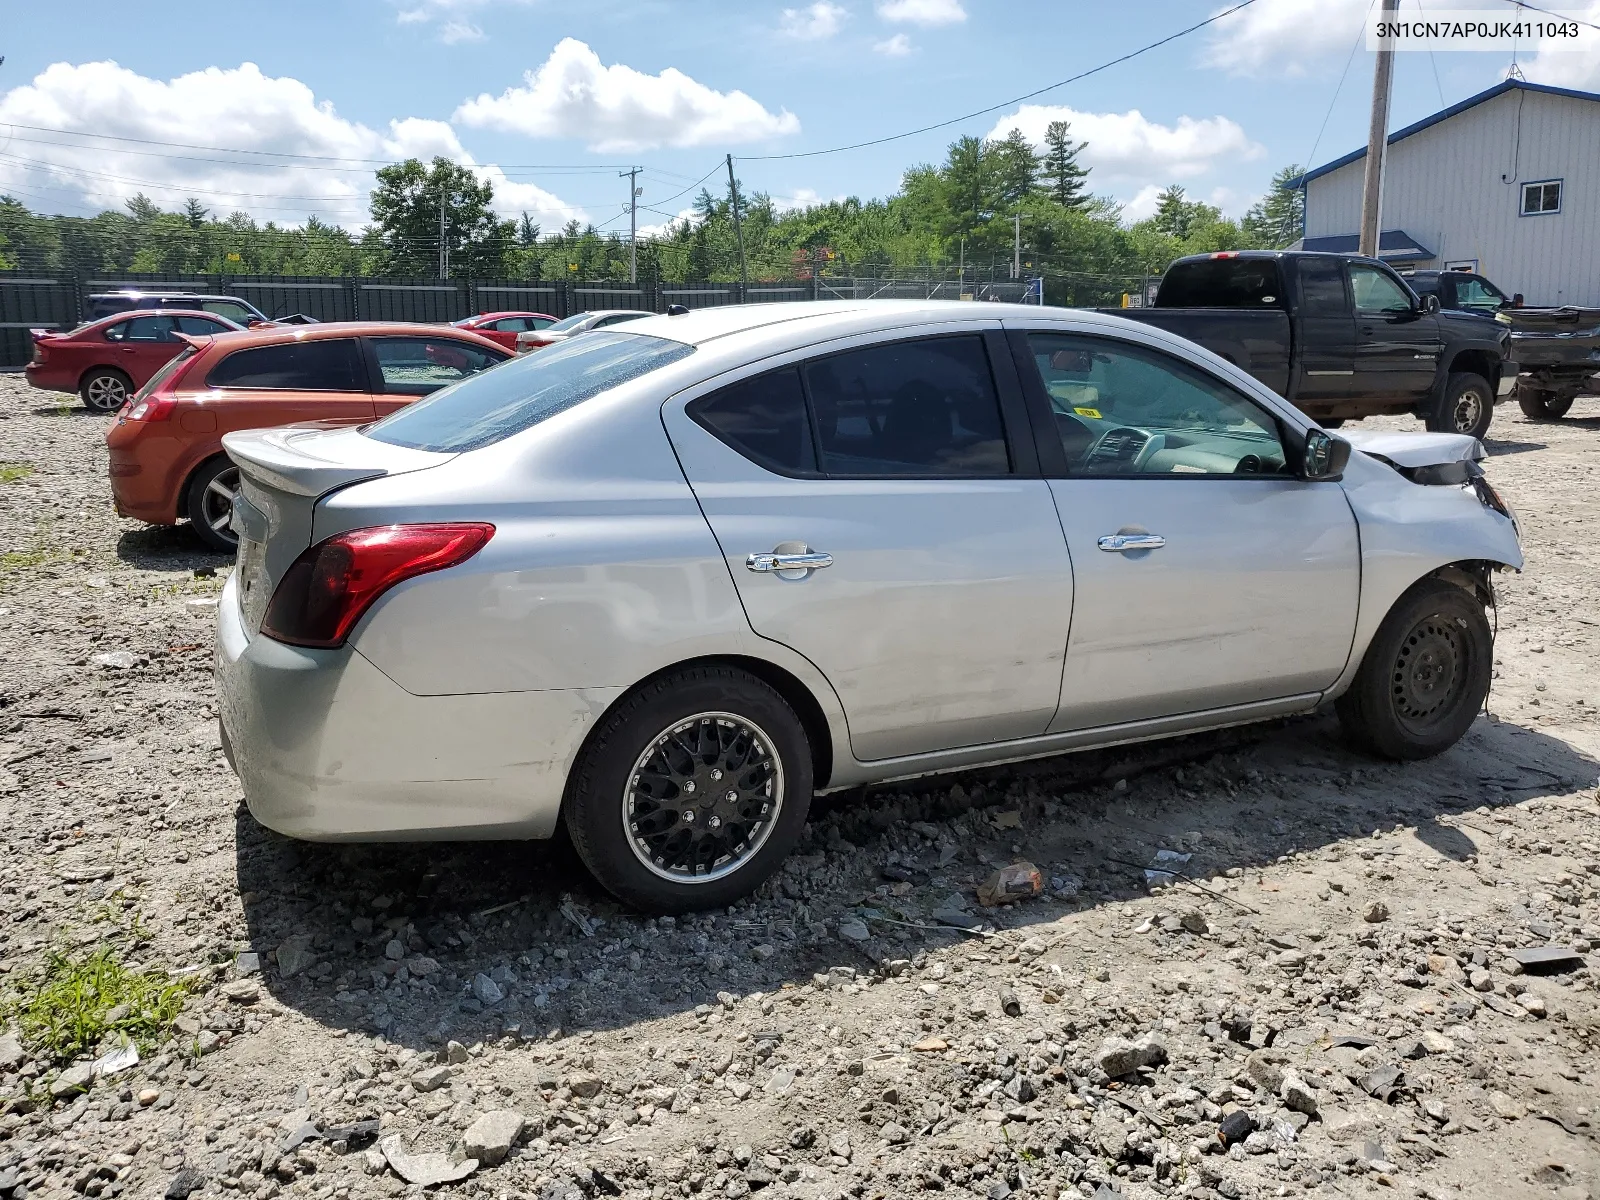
(1221, 283)
(517, 395)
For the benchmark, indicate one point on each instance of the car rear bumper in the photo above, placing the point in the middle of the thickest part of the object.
(329, 748)
(50, 378)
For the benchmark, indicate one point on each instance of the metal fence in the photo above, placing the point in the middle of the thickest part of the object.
(30, 300)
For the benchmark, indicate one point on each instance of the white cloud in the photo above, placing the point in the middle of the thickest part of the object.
(821, 20)
(1143, 204)
(618, 109)
(452, 32)
(1130, 148)
(1285, 37)
(685, 216)
(238, 107)
(896, 47)
(922, 12)
(1566, 68)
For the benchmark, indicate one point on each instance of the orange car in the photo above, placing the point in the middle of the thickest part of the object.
(167, 462)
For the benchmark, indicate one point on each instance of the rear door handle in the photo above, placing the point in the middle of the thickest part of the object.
(1127, 543)
(812, 560)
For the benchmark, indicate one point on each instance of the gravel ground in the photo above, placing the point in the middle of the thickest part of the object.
(1338, 1012)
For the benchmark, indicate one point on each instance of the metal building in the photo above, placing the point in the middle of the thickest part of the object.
(1506, 183)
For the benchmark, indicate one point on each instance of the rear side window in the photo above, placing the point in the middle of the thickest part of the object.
(1222, 283)
(141, 329)
(490, 407)
(415, 366)
(1322, 288)
(323, 365)
(201, 326)
(923, 407)
(764, 419)
(231, 309)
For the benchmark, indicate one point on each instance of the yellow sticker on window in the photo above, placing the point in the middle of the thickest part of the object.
(1088, 412)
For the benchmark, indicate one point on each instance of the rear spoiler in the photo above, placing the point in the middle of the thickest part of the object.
(307, 461)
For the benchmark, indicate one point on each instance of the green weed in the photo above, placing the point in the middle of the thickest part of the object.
(75, 1001)
(11, 472)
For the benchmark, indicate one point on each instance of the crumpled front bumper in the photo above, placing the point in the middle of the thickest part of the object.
(329, 748)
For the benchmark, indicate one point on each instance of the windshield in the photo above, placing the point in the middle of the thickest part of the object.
(571, 322)
(517, 395)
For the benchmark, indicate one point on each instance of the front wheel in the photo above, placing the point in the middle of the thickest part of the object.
(1424, 676)
(1542, 406)
(211, 504)
(1466, 406)
(691, 791)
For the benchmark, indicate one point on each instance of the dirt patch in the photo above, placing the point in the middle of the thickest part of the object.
(1338, 1008)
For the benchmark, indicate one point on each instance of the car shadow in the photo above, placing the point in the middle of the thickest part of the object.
(388, 939)
(169, 548)
(70, 406)
(1499, 449)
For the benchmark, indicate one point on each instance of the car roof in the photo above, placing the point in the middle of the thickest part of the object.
(129, 313)
(271, 334)
(510, 312)
(131, 292)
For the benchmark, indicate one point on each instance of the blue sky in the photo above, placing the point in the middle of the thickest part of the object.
(551, 99)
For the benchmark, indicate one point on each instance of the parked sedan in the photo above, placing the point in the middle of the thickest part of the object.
(167, 461)
(502, 328)
(577, 323)
(664, 583)
(106, 361)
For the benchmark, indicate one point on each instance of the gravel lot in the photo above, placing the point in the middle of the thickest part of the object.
(1338, 1013)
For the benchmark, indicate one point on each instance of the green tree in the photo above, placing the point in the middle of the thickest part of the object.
(406, 207)
(1278, 218)
(1063, 177)
(527, 231)
(1177, 216)
(195, 213)
(1013, 170)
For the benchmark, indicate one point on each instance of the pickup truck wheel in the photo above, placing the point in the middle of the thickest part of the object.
(1424, 676)
(1467, 406)
(691, 791)
(1542, 406)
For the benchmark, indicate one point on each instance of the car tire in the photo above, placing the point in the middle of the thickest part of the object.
(674, 739)
(1466, 406)
(1424, 676)
(105, 389)
(210, 503)
(1542, 406)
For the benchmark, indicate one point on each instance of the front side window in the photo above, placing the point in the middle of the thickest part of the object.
(142, 329)
(320, 365)
(231, 309)
(1541, 198)
(923, 407)
(571, 323)
(491, 406)
(1322, 288)
(1376, 292)
(1123, 409)
(764, 419)
(415, 366)
(510, 325)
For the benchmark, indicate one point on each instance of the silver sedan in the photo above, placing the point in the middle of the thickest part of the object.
(664, 583)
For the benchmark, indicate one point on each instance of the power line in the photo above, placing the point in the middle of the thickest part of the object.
(1559, 15)
(895, 137)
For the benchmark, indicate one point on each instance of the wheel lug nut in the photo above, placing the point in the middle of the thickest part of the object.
(715, 822)
(731, 796)
(716, 773)
(688, 785)
(688, 816)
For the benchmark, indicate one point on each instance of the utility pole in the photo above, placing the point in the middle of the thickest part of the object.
(444, 253)
(1378, 138)
(633, 222)
(961, 271)
(1016, 245)
(738, 232)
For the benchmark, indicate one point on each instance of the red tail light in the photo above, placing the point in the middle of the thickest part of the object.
(324, 592)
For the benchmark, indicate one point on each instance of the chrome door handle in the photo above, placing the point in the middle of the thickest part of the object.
(1126, 543)
(810, 561)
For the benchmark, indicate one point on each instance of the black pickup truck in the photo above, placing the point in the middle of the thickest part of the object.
(1557, 349)
(1337, 335)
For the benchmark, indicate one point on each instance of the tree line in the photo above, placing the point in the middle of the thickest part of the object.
(963, 212)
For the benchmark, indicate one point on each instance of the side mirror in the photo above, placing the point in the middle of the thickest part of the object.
(1430, 304)
(1325, 456)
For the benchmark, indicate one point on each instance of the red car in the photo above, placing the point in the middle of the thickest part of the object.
(106, 361)
(166, 459)
(502, 327)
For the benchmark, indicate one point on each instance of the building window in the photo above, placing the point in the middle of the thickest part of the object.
(1541, 198)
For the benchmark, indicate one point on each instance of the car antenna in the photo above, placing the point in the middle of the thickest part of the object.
(677, 310)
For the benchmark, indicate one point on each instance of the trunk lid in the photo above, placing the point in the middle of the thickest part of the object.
(283, 473)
